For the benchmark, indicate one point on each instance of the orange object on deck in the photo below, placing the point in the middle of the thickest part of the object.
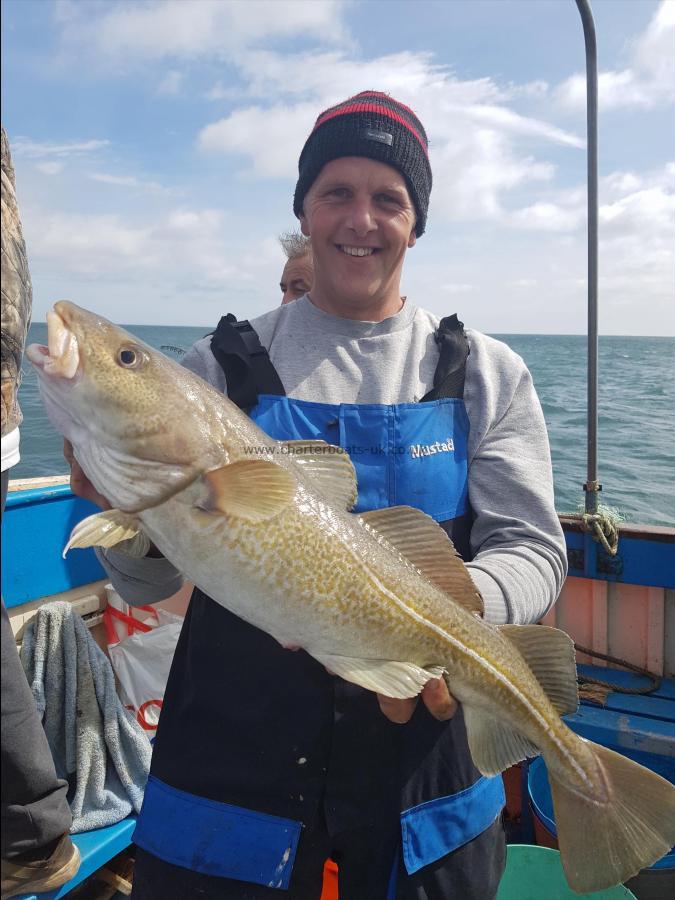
(330, 881)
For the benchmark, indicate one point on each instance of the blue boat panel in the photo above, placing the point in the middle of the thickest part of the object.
(35, 528)
(628, 734)
(639, 560)
(96, 849)
(642, 705)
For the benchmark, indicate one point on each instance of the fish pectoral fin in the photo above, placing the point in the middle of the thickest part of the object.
(549, 652)
(388, 677)
(330, 467)
(255, 490)
(494, 746)
(427, 546)
(107, 529)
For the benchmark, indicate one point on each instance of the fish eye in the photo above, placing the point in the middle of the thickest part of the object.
(130, 357)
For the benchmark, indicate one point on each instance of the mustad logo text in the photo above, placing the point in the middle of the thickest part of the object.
(419, 450)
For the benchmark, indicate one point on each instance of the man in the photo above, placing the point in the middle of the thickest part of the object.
(37, 852)
(261, 744)
(296, 279)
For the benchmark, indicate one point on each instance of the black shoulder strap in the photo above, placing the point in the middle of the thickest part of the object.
(454, 350)
(248, 369)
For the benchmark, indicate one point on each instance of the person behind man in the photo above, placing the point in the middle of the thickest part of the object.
(37, 852)
(296, 278)
(267, 762)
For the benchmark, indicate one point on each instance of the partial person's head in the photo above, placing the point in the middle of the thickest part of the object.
(362, 196)
(296, 279)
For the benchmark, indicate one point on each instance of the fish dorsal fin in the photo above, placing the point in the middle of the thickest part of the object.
(255, 490)
(107, 529)
(549, 653)
(422, 541)
(329, 466)
(494, 745)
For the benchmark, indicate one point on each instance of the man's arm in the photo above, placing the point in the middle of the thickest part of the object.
(520, 560)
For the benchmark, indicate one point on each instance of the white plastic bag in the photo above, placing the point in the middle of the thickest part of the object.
(141, 651)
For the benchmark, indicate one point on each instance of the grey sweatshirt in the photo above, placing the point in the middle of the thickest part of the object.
(519, 560)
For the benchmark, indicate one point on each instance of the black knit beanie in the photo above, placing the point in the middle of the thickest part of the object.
(375, 125)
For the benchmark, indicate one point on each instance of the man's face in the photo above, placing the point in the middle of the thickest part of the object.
(296, 279)
(361, 220)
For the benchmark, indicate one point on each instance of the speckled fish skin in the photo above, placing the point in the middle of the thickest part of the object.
(318, 577)
(17, 295)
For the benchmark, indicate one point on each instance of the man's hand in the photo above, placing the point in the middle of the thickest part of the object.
(435, 697)
(79, 483)
(82, 487)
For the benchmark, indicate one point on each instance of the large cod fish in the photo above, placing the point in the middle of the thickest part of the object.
(380, 599)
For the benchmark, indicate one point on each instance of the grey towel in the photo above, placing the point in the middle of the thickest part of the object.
(97, 744)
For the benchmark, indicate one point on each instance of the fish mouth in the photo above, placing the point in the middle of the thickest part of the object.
(61, 357)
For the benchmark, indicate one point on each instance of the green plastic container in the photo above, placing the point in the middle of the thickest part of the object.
(535, 873)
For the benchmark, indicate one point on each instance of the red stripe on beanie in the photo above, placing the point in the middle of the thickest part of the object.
(388, 99)
(371, 108)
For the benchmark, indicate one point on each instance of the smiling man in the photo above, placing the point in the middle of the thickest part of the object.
(362, 221)
(266, 763)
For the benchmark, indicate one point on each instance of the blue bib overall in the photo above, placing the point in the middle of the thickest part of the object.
(254, 741)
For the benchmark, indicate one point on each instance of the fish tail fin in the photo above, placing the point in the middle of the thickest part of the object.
(605, 841)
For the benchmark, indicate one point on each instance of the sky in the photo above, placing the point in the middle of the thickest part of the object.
(155, 144)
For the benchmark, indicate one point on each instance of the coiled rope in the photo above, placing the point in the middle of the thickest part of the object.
(596, 689)
(604, 526)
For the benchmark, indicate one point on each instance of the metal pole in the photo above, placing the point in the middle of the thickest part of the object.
(592, 485)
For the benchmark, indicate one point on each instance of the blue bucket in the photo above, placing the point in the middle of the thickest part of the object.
(655, 883)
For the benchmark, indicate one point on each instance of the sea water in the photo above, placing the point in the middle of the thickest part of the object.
(636, 409)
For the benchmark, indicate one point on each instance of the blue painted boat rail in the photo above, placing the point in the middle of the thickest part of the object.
(645, 556)
(96, 849)
(38, 521)
(35, 528)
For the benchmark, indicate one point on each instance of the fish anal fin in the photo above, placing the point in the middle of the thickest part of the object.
(494, 746)
(329, 466)
(549, 652)
(107, 529)
(388, 677)
(253, 490)
(426, 545)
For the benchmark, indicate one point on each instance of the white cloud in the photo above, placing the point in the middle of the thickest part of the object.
(25, 147)
(655, 49)
(107, 244)
(269, 137)
(178, 266)
(636, 255)
(130, 181)
(542, 216)
(454, 288)
(219, 92)
(473, 137)
(87, 244)
(640, 204)
(648, 82)
(177, 29)
(171, 83)
(49, 168)
(508, 122)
